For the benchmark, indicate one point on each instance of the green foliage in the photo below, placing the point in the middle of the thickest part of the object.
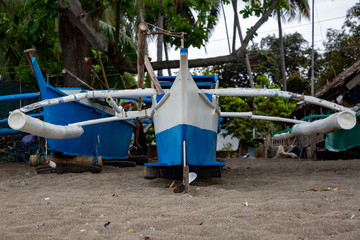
(341, 47)
(265, 61)
(255, 9)
(297, 83)
(196, 19)
(31, 25)
(266, 106)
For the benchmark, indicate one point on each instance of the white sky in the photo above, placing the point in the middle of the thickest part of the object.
(328, 14)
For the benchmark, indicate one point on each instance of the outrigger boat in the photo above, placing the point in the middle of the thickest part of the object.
(185, 120)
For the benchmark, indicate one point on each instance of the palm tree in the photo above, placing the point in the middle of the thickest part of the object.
(295, 9)
(246, 57)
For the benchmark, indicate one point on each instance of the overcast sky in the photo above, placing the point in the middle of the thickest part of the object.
(328, 14)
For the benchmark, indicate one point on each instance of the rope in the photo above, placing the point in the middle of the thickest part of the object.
(168, 33)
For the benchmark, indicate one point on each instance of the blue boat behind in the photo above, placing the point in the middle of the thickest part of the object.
(110, 140)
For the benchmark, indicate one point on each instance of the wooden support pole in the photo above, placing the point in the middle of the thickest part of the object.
(143, 28)
(78, 80)
(153, 77)
(82, 160)
(103, 70)
(29, 55)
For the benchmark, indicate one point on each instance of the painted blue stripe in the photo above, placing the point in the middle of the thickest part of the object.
(199, 84)
(183, 50)
(9, 131)
(200, 78)
(19, 96)
(41, 114)
(200, 147)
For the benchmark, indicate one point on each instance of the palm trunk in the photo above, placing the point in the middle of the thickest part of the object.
(282, 54)
(160, 40)
(246, 58)
(167, 57)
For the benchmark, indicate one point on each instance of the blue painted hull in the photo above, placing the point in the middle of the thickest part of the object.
(110, 140)
(200, 147)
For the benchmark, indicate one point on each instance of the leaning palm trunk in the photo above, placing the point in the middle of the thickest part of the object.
(282, 54)
(246, 58)
(160, 40)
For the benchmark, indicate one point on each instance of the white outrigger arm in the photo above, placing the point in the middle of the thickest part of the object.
(18, 120)
(260, 92)
(340, 120)
(344, 119)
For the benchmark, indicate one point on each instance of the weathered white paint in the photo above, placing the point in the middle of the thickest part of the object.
(185, 106)
(283, 136)
(237, 114)
(90, 94)
(249, 115)
(19, 121)
(255, 92)
(113, 105)
(87, 101)
(121, 116)
(341, 120)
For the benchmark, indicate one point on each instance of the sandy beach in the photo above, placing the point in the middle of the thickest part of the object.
(254, 199)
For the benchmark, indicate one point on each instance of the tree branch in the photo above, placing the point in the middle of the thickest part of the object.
(254, 28)
(99, 42)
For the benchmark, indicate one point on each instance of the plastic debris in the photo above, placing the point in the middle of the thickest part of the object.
(131, 230)
(47, 199)
(352, 217)
(82, 230)
(151, 228)
(107, 224)
(246, 204)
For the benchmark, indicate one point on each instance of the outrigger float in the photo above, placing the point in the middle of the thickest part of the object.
(185, 120)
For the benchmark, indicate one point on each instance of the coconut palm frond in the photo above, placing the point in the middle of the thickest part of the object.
(11, 4)
(108, 29)
(298, 9)
(124, 39)
(109, 15)
(214, 11)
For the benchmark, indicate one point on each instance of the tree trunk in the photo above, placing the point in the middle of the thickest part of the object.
(167, 57)
(100, 42)
(160, 40)
(75, 48)
(282, 54)
(246, 58)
